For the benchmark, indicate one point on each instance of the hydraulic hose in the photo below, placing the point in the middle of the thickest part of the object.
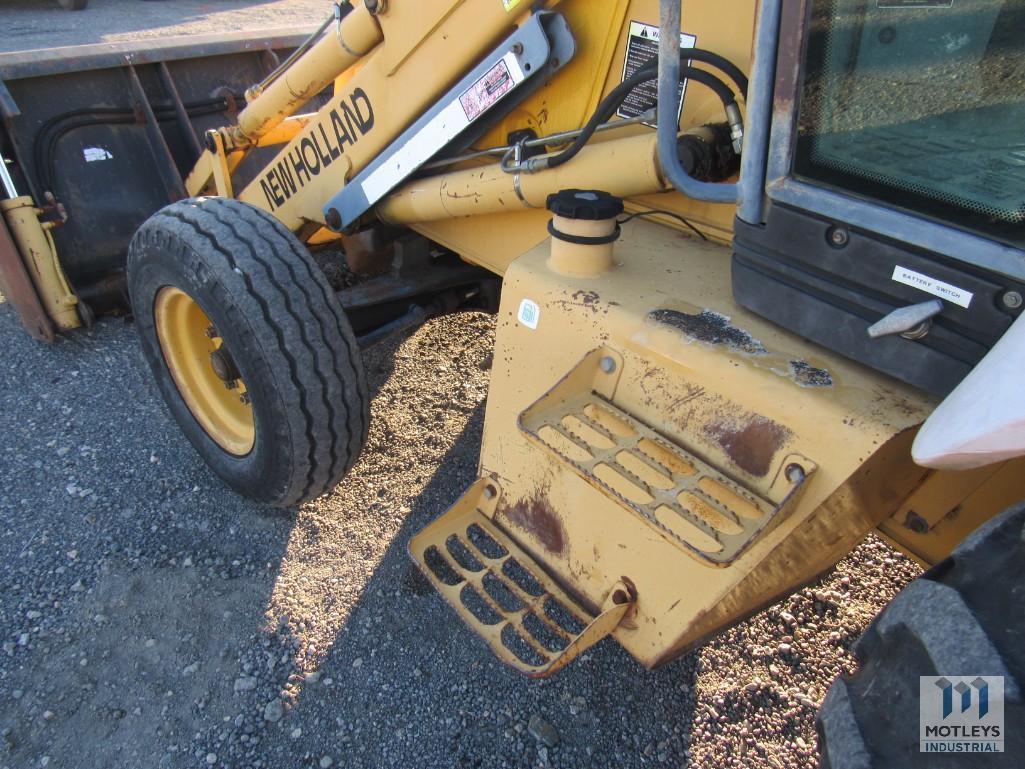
(306, 45)
(721, 63)
(608, 106)
(709, 80)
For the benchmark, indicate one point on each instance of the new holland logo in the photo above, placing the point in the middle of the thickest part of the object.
(321, 144)
(961, 714)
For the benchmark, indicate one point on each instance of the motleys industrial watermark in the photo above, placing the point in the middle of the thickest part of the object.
(961, 714)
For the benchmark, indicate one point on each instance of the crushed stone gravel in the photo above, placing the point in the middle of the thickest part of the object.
(160, 619)
(30, 24)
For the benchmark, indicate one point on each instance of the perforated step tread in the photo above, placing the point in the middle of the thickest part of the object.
(710, 515)
(529, 622)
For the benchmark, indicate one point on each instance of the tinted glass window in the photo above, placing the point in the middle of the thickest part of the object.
(920, 105)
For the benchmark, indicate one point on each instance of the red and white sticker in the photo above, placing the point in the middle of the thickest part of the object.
(492, 86)
(445, 125)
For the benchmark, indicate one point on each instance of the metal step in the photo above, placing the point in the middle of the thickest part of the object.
(529, 622)
(711, 516)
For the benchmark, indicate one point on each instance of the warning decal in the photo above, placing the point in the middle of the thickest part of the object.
(642, 47)
(486, 91)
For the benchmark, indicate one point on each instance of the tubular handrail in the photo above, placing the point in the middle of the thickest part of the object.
(749, 192)
(668, 120)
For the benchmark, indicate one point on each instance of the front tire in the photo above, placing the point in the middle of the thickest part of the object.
(249, 347)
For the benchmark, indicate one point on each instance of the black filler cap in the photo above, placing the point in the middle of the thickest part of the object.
(593, 205)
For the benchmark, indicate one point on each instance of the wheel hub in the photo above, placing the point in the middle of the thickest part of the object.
(224, 365)
(204, 371)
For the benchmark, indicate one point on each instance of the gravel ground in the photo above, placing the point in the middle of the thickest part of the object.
(151, 618)
(28, 24)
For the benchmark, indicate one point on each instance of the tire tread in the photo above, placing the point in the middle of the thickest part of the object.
(311, 335)
(956, 619)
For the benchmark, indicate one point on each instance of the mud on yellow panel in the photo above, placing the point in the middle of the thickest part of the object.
(523, 615)
(781, 455)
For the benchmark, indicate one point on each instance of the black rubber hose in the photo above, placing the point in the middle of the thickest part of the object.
(706, 78)
(121, 111)
(721, 63)
(608, 106)
(604, 112)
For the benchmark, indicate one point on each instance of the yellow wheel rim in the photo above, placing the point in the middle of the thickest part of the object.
(193, 350)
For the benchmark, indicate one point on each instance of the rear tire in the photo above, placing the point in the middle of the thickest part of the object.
(292, 347)
(965, 616)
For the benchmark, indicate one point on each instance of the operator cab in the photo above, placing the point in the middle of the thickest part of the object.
(889, 189)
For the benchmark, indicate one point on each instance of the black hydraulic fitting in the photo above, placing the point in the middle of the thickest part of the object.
(706, 152)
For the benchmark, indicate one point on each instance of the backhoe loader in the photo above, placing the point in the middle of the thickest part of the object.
(758, 277)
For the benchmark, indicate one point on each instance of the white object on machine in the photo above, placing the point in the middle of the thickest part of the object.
(983, 420)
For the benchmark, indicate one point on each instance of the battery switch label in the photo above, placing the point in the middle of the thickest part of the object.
(930, 285)
(642, 47)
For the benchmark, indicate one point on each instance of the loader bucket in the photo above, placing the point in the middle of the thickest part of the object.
(102, 136)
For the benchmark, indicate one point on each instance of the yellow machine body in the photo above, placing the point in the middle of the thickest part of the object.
(719, 463)
(662, 461)
(39, 259)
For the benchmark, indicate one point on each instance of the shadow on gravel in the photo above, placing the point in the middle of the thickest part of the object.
(429, 693)
(153, 618)
(131, 581)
